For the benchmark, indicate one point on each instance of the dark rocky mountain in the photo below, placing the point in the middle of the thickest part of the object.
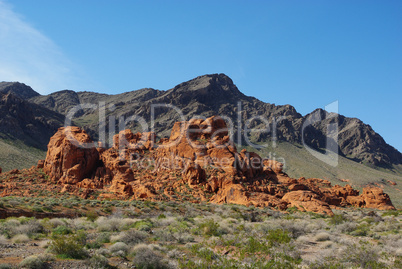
(18, 89)
(27, 122)
(216, 94)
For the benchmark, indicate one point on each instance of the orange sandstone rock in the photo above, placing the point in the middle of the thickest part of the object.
(307, 201)
(374, 197)
(71, 157)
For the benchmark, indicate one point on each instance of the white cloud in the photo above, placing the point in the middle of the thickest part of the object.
(28, 56)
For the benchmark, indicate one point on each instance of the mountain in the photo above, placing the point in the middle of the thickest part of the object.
(18, 89)
(25, 130)
(216, 94)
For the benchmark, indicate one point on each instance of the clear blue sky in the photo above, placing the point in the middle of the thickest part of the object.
(304, 53)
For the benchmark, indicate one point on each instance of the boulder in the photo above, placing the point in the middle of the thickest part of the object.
(88, 183)
(121, 187)
(41, 164)
(144, 192)
(232, 194)
(71, 156)
(194, 174)
(374, 197)
(307, 201)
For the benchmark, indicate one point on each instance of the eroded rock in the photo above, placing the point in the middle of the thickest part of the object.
(71, 156)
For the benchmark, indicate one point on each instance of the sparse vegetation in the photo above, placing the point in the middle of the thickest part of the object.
(169, 235)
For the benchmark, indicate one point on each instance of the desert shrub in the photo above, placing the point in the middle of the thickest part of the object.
(145, 257)
(3, 240)
(206, 254)
(130, 237)
(81, 224)
(98, 241)
(91, 215)
(175, 254)
(133, 237)
(144, 225)
(209, 227)
(337, 219)
(345, 227)
(163, 222)
(56, 222)
(68, 246)
(6, 265)
(361, 230)
(364, 255)
(119, 249)
(164, 235)
(108, 224)
(295, 228)
(226, 226)
(253, 246)
(20, 238)
(278, 236)
(30, 228)
(97, 262)
(36, 261)
(323, 236)
(394, 213)
(62, 230)
(32, 262)
(183, 237)
(103, 252)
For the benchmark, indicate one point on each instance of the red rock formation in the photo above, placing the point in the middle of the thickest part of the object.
(374, 197)
(307, 201)
(70, 157)
(198, 162)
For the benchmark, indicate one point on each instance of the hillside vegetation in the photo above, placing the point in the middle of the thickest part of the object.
(16, 155)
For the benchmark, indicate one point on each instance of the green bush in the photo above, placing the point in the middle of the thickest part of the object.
(62, 230)
(91, 215)
(278, 236)
(337, 219)
(68, 246)
(209, 227)
(143, 225)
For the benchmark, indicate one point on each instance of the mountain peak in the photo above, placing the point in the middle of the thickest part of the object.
(208, 89)
(216, 81)
(19, 89)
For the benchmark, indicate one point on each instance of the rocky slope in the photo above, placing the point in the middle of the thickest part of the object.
(216, 94)
(27, 122)
(198, 162)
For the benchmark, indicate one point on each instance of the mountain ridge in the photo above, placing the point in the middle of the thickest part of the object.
(216, 94)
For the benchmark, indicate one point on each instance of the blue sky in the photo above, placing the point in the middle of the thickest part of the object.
(304, 53)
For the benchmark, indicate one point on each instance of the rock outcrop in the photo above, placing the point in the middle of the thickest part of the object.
(71, 156)
(198, 162)
(374, 197)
